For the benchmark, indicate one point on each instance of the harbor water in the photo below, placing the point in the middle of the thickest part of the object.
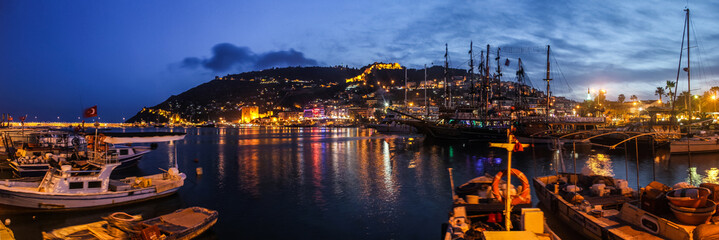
(343, 183)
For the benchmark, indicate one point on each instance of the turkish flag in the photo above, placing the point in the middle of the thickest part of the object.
(22, 118)
(518, 147)
(90, 112)
(9, 118)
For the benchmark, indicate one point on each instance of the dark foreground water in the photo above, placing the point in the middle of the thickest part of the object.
(341, 183)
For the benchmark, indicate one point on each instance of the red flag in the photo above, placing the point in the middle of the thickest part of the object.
(90, 112)
(9, 118)
(518, 147)
(506, 63)
(22, 119)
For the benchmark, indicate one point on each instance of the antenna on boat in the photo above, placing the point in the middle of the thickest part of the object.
(512, 145)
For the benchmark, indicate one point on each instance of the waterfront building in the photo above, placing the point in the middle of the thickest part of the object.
(249, 113)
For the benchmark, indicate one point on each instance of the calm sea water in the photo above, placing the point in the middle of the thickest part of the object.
(339, 183)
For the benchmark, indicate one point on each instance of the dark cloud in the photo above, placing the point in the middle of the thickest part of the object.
(283, 59)
(226, 56)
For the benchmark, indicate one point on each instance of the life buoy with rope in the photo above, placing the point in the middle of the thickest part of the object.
(523, 197)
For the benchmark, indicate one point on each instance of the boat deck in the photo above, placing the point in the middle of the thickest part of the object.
(609, 202)
(620, 216)
(615, 224)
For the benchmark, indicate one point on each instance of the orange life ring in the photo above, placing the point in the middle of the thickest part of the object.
(523, 197)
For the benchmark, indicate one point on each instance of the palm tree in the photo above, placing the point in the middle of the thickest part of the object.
(670, 87)
(621, 98)
(660, 92)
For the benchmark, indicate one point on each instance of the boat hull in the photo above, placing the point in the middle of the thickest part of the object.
(41, 201)
(682, 147)
(652, 227)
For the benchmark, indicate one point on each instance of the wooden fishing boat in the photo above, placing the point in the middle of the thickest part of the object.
(182, 224)
(601, 207)
(488, 208)
(477, 214)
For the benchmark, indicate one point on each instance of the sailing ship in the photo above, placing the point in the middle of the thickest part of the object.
(457, 123)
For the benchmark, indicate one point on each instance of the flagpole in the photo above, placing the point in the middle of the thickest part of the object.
(94, 145)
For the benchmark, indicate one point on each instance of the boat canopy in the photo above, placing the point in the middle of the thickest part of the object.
(142, 137)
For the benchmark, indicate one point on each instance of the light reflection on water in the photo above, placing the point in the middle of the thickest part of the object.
(321, 183)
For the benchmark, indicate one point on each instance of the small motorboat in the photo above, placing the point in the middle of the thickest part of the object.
(186, 223)
(487, 207)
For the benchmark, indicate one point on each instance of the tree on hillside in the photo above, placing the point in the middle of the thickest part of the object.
(621, 98)
(633, 98)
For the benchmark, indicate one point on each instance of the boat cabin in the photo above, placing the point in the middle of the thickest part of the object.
(68, 180)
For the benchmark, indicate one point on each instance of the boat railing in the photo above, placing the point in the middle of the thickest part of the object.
(102, 158)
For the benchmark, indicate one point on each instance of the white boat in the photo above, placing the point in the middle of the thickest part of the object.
(68, 187)
(695, 145)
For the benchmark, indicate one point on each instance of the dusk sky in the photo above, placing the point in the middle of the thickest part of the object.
(59, 57)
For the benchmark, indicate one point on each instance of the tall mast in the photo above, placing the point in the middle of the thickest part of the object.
(520, 82)
(405, 87)
(446, 65)
(480, 68)
(689, 73)
(486, 83)
(471, 75)
(426, 108)
(689, 90)
(548, 79)
(499, 71)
